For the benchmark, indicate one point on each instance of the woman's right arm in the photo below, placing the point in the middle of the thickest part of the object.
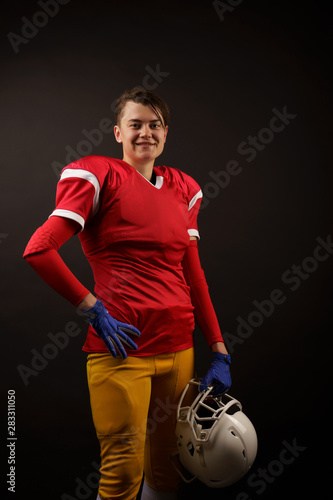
(42, 254)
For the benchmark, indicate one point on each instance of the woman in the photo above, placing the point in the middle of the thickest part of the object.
(138, 228)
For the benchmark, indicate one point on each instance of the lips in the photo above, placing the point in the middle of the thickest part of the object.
(144, 144)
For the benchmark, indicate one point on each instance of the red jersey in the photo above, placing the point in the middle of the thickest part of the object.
(134, 235)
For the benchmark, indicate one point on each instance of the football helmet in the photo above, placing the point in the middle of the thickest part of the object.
(216, 441)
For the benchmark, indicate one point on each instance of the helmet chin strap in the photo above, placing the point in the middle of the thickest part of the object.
(149, 493)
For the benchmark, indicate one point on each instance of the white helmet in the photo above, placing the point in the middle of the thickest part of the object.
(217, 443)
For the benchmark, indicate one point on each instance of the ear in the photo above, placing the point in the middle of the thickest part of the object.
(117, 134)
(165, 132)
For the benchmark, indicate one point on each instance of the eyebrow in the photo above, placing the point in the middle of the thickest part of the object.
(140, 121)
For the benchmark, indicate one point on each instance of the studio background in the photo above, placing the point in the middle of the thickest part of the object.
(225, 69)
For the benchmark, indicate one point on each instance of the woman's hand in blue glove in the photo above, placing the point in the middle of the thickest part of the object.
(218, 374)
(111, 331)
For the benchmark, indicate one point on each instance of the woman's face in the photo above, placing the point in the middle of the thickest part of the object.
(141, 133)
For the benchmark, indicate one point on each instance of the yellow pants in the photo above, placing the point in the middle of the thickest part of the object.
(134, 404)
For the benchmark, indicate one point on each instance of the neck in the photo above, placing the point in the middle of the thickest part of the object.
(145, 168)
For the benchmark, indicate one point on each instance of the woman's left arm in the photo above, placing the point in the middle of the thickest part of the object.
(219, 372)
(203, 308)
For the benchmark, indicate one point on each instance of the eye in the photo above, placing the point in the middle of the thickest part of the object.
(155, 125)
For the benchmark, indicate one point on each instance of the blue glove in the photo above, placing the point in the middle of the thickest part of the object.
(110, 330)
(218, 373)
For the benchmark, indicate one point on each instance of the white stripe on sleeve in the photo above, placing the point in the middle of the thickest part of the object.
(194, 199)
(88, 176)
(68, 214)
(194, 232)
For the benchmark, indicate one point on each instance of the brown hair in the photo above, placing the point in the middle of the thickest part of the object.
(147, 98)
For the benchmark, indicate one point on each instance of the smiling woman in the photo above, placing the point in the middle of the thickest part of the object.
(143, 136)
(142, 127)
(137, 224)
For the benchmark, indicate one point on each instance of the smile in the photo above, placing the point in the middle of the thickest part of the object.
(144, 144)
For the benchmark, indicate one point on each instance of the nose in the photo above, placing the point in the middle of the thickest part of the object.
(145, 131)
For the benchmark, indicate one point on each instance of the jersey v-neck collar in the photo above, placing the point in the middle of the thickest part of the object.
(159, 180)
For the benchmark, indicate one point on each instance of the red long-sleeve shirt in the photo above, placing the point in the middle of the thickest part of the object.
(136, 237)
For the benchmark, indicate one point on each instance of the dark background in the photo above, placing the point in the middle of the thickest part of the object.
(224, 77)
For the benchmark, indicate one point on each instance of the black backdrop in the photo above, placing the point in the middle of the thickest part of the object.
(226, 69)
